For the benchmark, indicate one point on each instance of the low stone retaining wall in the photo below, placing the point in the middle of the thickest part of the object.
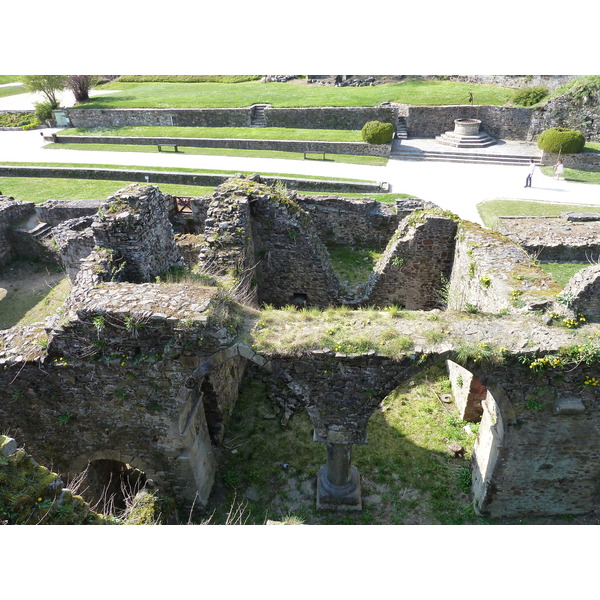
(346, 117)
(190, 117)
(301, 118)
(586, 161)
(201, 179)
(352, 148)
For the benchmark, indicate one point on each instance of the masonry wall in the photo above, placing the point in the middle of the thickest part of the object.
(491, 274)
(416, 262)
(586, 161)
(300, 118)
(511, 123)
(11, 212)
(570, 237)
(547, 435)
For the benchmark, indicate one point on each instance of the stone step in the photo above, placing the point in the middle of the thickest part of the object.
(512, 160)
(41, 231)
(450, 138)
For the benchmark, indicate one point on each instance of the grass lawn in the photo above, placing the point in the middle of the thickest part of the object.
(407, 475)
(562, 272)
(342, 158)
(223, 95)
(246, 133)
(11, 90)
(353, 265)
(575, 175)
(40, 189)
(492, 209)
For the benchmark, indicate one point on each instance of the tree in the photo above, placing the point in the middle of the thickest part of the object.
(80, 85)
(48, 85)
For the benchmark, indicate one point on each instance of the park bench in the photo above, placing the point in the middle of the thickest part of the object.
(323, 153)
(161, 146)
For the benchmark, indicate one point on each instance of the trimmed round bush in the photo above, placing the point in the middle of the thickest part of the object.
(376, 132)
(528, 96)
(561, 140)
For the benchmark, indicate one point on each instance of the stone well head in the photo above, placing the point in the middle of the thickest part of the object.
(467, 126)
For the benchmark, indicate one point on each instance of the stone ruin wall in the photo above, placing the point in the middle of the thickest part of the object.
(11, 211)
(571, 237)
(584, 292)
(414, 265)
(141, 393)
(492, 274)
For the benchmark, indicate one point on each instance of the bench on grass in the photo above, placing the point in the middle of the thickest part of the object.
(161, 146)
(322, 153)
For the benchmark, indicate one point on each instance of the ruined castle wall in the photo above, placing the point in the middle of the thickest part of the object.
(584, 289)
(352, 222)
(414, 265)
(291, 259)
(492, 274)
(75, 241)
(548, 461)
(135, 225)
(55, 212)
(571, 237)
(11, 212)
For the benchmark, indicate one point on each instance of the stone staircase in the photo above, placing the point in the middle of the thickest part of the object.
(41, 231)
(479, 140)
(410, 153)
(257, 116)
(401, 131)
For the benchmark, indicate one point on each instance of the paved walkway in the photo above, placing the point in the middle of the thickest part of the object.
(458, 187)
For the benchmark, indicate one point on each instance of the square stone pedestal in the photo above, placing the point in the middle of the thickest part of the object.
(335, 497)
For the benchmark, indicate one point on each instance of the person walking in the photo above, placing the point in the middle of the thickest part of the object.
(531, 169)
(558, 170)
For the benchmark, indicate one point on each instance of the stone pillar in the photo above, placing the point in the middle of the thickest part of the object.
(338, 482)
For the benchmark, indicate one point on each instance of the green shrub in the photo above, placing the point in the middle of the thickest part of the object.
(528, 96)
(376, 132)
(43, 110)
(561, 140)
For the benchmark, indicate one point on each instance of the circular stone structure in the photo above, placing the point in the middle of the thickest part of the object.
(466, 126)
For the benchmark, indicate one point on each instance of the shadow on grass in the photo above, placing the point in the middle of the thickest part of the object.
(27, 284)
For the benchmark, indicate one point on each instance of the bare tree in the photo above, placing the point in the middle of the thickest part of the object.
(80, 85)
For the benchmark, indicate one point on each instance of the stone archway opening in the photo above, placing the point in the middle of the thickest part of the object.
(108, 485)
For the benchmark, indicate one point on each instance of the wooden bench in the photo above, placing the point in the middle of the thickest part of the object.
(323, 153)
(161, 146)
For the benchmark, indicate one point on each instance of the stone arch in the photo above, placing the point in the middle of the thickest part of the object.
(108, 477)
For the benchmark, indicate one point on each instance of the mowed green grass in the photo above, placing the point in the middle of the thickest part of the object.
(222, 95)
(492, 209)
(40, 189)
(11, 90)
(257, 133)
